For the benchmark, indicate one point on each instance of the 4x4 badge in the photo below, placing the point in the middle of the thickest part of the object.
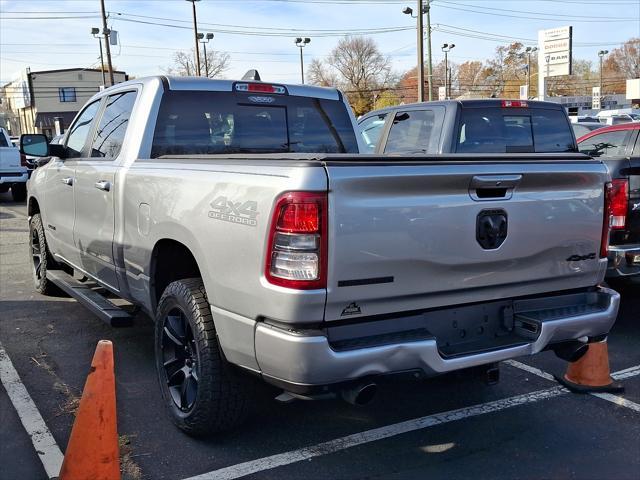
(351, 309)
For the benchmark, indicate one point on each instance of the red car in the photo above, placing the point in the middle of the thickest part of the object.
(619, 147)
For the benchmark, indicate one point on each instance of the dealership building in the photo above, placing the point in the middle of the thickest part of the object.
(47, 101)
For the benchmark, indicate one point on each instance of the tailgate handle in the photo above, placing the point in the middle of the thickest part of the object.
(492, 187)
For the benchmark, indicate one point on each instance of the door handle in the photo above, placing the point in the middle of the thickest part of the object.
(495, 181)
(103, 185)
(67, 180)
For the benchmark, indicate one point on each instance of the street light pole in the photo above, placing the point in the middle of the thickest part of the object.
(601, 54)
(96, 34)
(204, 42)
(446, 48)
(529, 51)
(301, 43)
(195, 34)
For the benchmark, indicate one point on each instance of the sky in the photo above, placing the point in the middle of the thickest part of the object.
(55, 34)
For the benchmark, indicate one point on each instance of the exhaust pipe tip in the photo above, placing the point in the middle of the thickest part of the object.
(361, 394)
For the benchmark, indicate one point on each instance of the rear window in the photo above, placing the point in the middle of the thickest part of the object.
(3, 140)
(510, 130)
(195, 122)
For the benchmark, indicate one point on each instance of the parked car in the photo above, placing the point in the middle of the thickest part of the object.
(582, 128)
(13, 171)
(583, 119)
(469, 126)
(241, 217)
(619, 148)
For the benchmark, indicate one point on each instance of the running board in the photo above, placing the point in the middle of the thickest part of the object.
(99, 305)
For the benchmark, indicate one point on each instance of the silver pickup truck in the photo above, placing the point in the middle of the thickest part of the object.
(241, 217)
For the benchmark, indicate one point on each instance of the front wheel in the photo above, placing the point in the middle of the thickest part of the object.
(201, 391)
(41, 259)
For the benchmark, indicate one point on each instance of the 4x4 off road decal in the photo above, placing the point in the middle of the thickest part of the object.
(242, 213)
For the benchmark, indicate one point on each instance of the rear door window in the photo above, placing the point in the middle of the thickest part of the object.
(606, 144)
(416, 131)
(113, 124)
(371, 129)
(200, 122)
(500, 130)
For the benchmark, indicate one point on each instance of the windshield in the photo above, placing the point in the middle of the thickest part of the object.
(514, 130)
(197, 122)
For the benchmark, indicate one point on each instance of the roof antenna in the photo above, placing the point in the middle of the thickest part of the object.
(252, 75)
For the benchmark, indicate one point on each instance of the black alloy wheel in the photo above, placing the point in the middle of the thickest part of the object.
(180, 359)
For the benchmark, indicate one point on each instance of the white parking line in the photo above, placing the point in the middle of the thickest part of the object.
(282, 459)
(44, 443)
(287, 458)
(626, 373)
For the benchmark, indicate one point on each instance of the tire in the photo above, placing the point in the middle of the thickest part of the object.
(19, 192)
(41, 257)
(202, 392)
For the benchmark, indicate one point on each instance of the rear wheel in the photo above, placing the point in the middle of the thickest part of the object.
(19, 192)
(202, 392)
(41, 259)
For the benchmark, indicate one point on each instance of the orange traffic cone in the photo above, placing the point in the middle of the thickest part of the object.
(591, 372)
(92, 451)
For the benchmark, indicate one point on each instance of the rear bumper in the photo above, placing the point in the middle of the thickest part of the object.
(624, 260)
(13, 177)
(300, 362)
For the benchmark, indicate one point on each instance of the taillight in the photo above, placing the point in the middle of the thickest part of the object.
(297, 247)
(606, 221)
(23, 160)
(619, 203)
(260, 88)
(514, 104)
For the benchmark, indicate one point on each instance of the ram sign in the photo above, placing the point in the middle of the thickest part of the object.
(554, 53)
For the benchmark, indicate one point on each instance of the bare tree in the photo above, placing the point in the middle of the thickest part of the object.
(320, 74)
(184, 63)
(358, 67)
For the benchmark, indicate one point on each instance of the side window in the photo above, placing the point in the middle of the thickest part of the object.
(371, 129)
(416, 131)
(607, 144)
(551, 131)
(113, 125)
(79, 132)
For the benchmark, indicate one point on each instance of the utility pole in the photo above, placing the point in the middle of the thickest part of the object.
(107, 34)
(420, 54)
(430, 64)
(195, 36)
(301, 43)
(422, 9)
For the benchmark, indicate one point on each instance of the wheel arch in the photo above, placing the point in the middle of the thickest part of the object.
(171, 260)
(33, 206)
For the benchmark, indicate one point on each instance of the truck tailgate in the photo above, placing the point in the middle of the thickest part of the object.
(410, 234)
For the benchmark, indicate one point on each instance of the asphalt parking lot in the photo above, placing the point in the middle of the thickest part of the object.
(449, 427)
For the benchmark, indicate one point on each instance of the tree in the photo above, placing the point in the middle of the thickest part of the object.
(184, 64)
(621, 64)
(357, 66)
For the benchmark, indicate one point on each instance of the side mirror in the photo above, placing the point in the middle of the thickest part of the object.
(35, 145)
